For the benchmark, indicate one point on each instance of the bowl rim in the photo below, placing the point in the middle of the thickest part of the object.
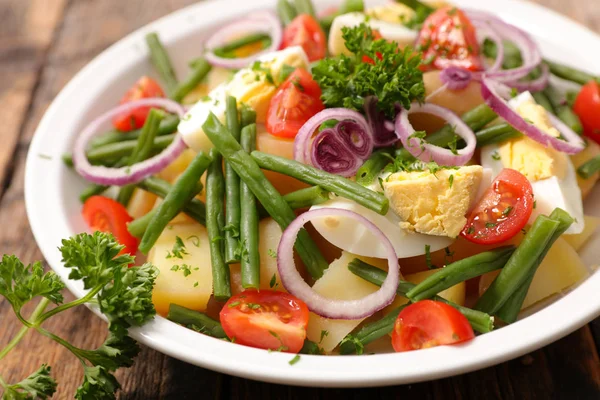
(43, 175)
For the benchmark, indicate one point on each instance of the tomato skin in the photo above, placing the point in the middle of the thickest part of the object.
(305, 31)
(107, 215)
(429, 323)
(266, 319)
(145, 87)
(587, 107)
(294, 103)
(492, 221)
(448, 39)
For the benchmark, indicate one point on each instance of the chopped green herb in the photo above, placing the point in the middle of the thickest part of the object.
(496, 155)
(295, 359)
(324, 334)
(234, 304)
(507, 211)
(490, 224)
(178, 250)
(195, 240)
(196, 284)
(534, 204)
(272, 253)
(253, 306)
(285, 71)
(273, 283)
(282, 347)
(471, 230)
(428, 257)
(451, 180)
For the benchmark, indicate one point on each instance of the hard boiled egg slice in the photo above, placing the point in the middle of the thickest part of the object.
(550, 172)
(346, 234)
(253, 86)
(395, 32)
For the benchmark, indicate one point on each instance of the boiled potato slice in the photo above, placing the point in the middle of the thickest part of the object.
(592, 150)
(340, 284)
(172, 171)
(459, 101)
(561, 268)
(141, 202)
(270, 235)
(591, 226)
(172, 286)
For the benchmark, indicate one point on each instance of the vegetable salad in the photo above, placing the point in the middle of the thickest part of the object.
(408, 173)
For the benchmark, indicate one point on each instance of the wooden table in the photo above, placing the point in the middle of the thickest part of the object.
(43, 43)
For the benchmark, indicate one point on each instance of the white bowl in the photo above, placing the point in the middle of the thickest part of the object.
(51, 192)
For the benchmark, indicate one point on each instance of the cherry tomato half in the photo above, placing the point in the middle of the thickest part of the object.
(294, 103)
(448, 38)
(107, 215)
(305, 31)
(503, 211)
(429, 323)
(145, 87)
(587, 107)
(266, 319)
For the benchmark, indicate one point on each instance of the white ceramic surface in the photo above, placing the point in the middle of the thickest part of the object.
(51, 192)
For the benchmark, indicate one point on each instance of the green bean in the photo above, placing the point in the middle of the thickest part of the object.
(416, 4)
(247, 116)
(480, 321)
(250, 257)
(569, 73)
(589, 168)
(198, 321)
(334, 183)
(175, 200)
(562, 109)
(370, 170)
(355, 343)
(250, 173)
(199, 71)
(92, 190)
(118, 150)
(138, 226)
(496, 134)
(161, 61)
(215, 220)
(167, 125)
(67, 159)
(305, 7)
(301, 199)
(461, 271)
(511, 308)
(519, 266)
(543, 101)
(286, 11)
(232, 189)
(346, 7)
(512, 54)
(160, 187)
(235, 44)
(142, 150)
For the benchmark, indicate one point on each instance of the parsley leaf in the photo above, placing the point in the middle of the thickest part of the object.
(38, 385)
(19, 284)
(394, 77)
(118, 350)
(98, 383)
(178, 250)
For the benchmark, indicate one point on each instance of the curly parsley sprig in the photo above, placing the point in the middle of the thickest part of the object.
(376, 67)
(122, 293)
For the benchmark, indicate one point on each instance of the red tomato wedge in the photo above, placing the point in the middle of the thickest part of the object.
(107, 215)
(305, 31)
(587, 107)
(145, 87)
(294, 103)
(266, 319)
(448, 38)
(429, 323)
(503, 211)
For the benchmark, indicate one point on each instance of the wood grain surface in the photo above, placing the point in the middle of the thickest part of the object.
(43, 43)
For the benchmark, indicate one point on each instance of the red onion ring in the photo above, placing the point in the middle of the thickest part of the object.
(535, 85)
(530, 52)
(260, 22)
(495, 94)
(427, 152)
(484, 31)
(302, 141)
(135, 173)
(320, 305)
(331, 155)
(455, 78)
